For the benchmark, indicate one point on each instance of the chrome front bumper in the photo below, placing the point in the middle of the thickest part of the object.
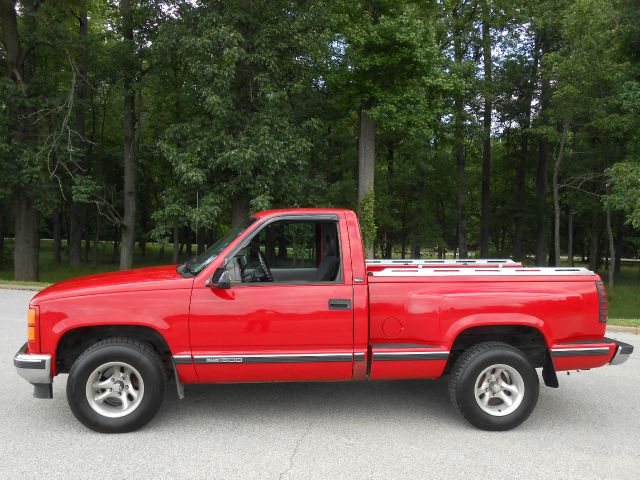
(623, 352)
(35, 369)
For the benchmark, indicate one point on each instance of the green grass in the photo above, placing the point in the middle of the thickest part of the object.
(624, 296)
(625, 322)
(15, 283)
(100, 261)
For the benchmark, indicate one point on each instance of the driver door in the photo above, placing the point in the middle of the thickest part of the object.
(297, 327)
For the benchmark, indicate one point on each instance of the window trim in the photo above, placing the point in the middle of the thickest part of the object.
(296, 218)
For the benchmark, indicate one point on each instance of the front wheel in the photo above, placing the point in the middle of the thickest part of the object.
(494, 386)
(116, 385)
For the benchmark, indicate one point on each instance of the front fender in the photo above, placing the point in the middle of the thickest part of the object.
(166, 312)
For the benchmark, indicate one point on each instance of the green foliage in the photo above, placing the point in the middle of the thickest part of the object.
(366, 217)
(624, 180)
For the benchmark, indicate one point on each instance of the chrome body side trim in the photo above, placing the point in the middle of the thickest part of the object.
(182, 359)
(410, 355)
(579, 352)
(274, 358)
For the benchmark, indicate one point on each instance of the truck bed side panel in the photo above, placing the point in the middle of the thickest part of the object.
(432, 312)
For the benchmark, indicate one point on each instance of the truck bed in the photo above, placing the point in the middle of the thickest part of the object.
(426, 308)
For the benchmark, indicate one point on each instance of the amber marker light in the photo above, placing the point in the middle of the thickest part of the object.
(31, 324)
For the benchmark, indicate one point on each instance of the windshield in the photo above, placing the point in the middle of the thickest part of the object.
(196, 264)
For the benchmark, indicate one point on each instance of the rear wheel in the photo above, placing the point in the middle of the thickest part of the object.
(494, 386)
(116, 385)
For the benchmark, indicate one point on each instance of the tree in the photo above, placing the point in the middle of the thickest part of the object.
(486, 128)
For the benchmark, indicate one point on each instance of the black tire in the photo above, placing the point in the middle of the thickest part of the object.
(138, 355)
(470, 366)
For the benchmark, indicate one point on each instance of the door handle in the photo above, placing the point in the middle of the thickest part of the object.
(339, 304)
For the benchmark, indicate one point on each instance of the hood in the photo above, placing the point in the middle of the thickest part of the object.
(151, 278)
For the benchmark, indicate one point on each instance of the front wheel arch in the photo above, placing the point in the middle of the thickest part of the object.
(76, 340)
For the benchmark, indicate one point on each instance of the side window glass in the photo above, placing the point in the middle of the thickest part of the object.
(291, 245)
(291, 252)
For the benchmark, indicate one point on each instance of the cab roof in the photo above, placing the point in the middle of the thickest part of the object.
(300, 211)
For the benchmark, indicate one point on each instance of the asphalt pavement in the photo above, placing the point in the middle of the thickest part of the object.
(588, 428)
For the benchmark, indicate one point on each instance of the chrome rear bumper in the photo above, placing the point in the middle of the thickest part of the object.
(623, 352)
(35, 369)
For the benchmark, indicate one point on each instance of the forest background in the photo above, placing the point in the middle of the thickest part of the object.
(136, 133)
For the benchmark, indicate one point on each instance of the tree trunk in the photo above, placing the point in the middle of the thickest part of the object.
(11, 41)
(619, 238)
(612, 249)
(2, 223)
(87, 240)
(75, 234)
(415, 249)
(541, 203)
(367, 157)
(27, 218)
(543, 165)
(201, 240)
(77, 225)
(521, 168)
(96, 240)
(366, 163)
(127, 246)
(189, 242)
(570, 237)
(57, 237)
(239, 210)
(486, 133)
(176, 243)
(27, 238)
(594, 260)
(461, 200)
(556, 195)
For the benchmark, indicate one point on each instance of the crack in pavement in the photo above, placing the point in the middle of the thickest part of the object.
(294, 452)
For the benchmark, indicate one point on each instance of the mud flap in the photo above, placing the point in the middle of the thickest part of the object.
(549, 372)
(179, 385)
(43, 390)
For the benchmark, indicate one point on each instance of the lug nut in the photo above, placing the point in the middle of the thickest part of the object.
(112, 380)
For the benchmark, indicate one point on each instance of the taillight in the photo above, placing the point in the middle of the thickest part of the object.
(33, 334)
(603, 302)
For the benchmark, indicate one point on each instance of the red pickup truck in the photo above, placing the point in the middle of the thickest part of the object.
(288, 296)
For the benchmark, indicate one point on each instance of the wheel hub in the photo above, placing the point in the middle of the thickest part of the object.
(114, 389)
(494, 387)
(499, 390)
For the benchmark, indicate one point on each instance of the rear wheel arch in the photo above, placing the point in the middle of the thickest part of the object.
(526, 338)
